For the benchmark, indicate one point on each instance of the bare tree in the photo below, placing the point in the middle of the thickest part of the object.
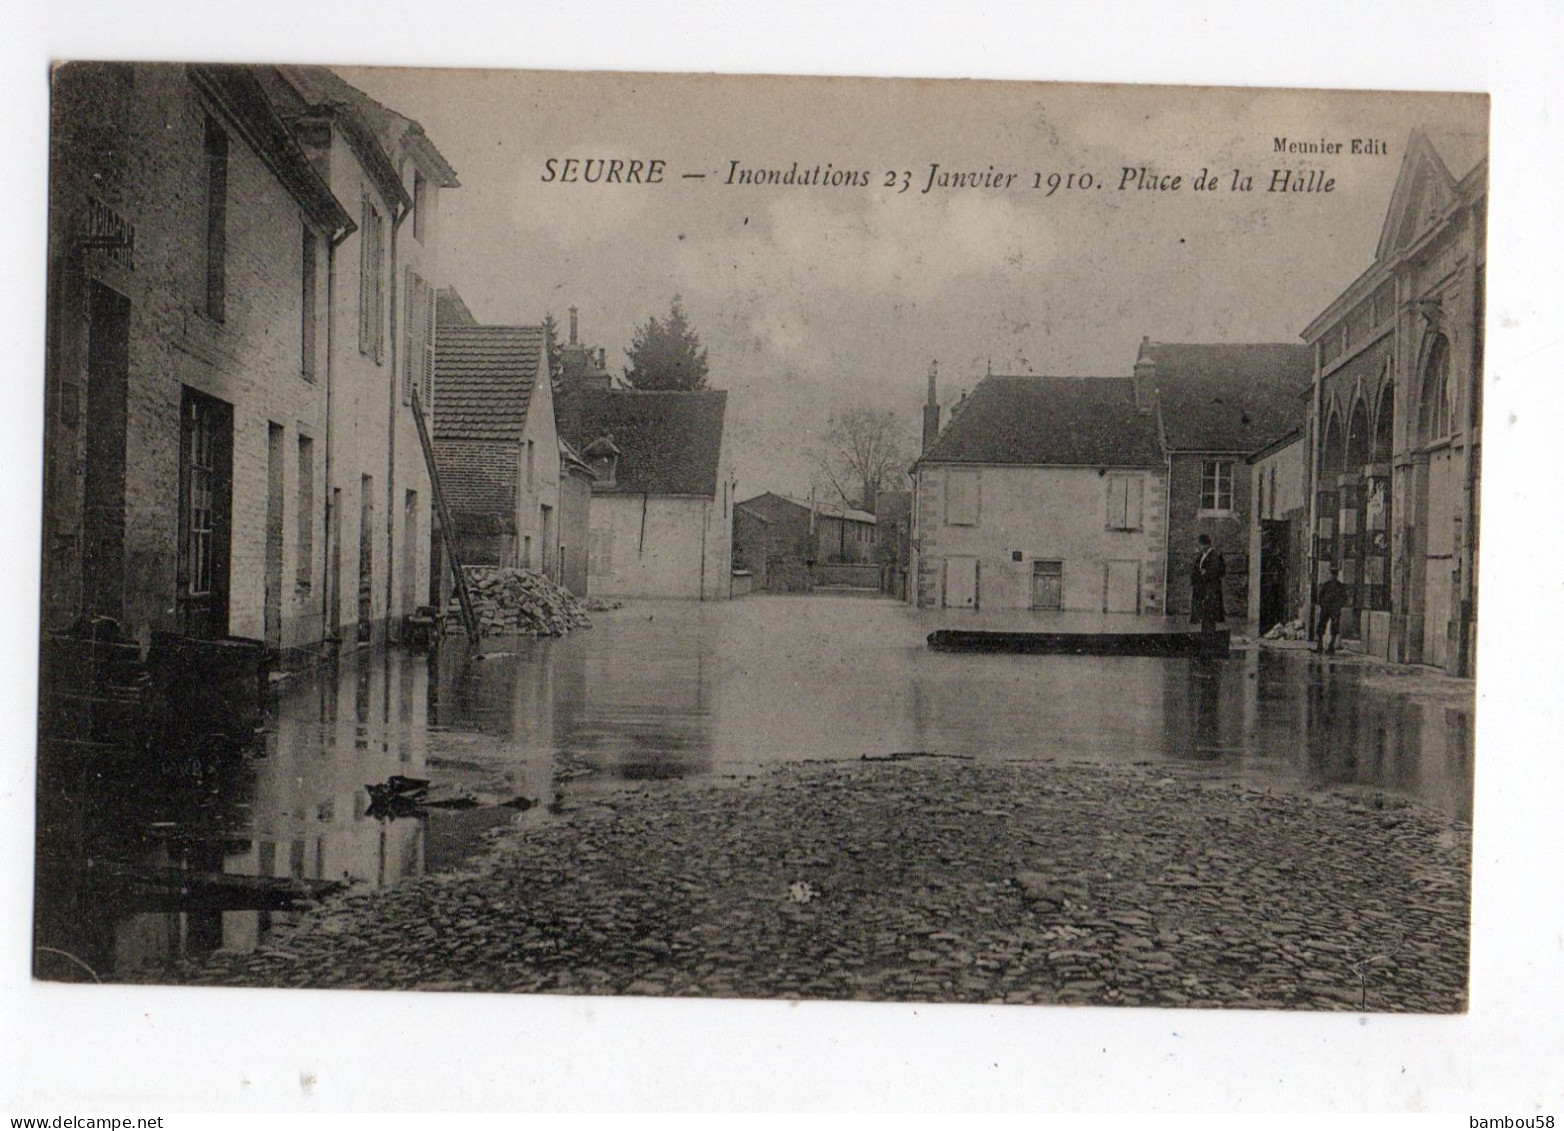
(863, 452)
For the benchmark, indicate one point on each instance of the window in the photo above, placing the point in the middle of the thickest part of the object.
(1434, 414)
(306, 541)
(307, 306)
(418, 356)
(215, 146)
(531, 462)
(1124, 501)
(200, 493)
(961, 498)
(420, 204)
(1216, 485)
(371, 291)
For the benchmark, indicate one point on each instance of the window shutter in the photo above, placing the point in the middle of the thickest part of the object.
(1135, 490)
(427, 393)
(413, 339)
(365, 235)
(1116, 492)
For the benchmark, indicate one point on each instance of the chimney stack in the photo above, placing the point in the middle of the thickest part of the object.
(572, 325)
(931, 410)
(1145, 378)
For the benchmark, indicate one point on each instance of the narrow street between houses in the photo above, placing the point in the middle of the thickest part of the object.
(793, 796)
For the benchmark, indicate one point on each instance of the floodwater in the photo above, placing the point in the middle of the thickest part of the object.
(666, 690)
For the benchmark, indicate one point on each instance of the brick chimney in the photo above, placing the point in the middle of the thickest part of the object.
(1145, 378)
(931, 410)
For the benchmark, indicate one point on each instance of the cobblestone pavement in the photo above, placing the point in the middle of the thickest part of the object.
(926, 879)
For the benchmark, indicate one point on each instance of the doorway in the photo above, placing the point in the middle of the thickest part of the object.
(205, 511)
(961, 583)
(103, 520)
(272, 615)
(1122, 585)
(366, 557)
(1275, 544)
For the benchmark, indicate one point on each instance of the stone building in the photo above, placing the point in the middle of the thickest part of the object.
(1216, 405)
(215, 464)
(185, 433)
(661, 515)
(383, 281)
(496, 445)
(1396, 414)
(1042, 493)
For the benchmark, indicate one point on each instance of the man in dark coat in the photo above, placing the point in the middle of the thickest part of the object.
(1330, 599)
(1205, 585)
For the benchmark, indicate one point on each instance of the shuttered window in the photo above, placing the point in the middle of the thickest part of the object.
(961, 498)
(371, 284)
(1125, 496)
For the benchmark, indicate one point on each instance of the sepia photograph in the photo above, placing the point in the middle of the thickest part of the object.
(613, 536)
(1005, 543)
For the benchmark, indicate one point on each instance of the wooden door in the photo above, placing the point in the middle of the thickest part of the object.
(1122, 587)
(961, 583)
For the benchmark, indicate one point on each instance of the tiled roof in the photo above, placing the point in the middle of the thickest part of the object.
(483, 380)
(669, 443)
(1229, 398)
(1066, 421)
(478, 478)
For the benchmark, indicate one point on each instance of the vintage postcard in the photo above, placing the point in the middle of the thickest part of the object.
(774, 538)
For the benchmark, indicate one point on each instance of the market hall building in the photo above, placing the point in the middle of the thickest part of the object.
(1396, 415)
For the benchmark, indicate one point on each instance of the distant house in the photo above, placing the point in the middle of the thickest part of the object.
(496, 445)
(778, 538)
(1042, 493)
(1217, 405)
(661, 521)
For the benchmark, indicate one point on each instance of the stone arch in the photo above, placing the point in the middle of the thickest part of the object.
(1384, 420)
(1433, 398)
(1333, 448)
(1359, 439)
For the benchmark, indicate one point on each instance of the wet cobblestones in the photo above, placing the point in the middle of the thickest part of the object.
(925, 879)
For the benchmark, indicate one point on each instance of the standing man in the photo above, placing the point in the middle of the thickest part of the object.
(1205, 584)
(1330, 599)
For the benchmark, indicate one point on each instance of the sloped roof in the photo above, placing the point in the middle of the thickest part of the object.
(669, 443)
(828, 510)
(1065, 421)
(325, 86)
(484, 376)
(1228, 398)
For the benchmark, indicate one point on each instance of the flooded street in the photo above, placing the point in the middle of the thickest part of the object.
(658, 691)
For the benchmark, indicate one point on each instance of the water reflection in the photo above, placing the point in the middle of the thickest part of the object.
(664, 691)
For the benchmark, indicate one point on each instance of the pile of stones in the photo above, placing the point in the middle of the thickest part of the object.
(520, 601)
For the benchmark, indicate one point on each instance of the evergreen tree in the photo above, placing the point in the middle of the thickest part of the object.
(551, 348)
(666, 354)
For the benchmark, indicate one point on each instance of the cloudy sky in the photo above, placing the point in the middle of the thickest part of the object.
(809, 298)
